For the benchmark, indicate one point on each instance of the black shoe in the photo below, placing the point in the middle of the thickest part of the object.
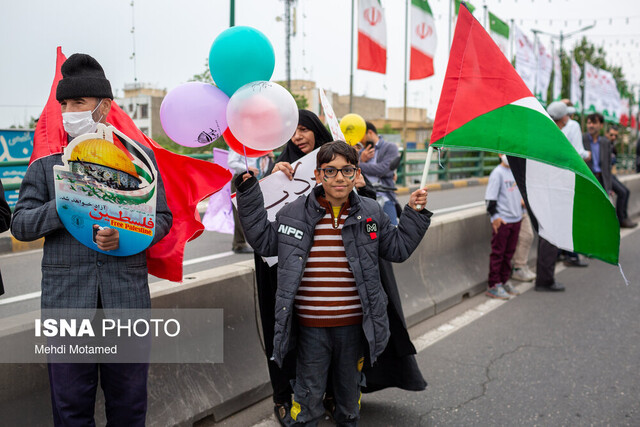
(555, 287)
(575, 262)
(281, 410)
(627, 223)
(243, 250)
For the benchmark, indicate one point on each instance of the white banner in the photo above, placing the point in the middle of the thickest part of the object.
(557, 78)
(525, 59)
(601, 93)
(278, 191)
(545, 66)
(575, 92)
(330, 116)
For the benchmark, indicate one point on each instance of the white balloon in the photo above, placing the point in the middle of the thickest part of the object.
(263, 115)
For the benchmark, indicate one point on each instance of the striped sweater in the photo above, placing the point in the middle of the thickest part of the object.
(327, 295)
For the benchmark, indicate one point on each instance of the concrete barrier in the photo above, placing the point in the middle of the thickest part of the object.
(451, 263)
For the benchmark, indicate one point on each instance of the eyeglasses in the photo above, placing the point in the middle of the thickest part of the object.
(347, 171)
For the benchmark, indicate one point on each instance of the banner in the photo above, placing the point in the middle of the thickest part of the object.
(545, 66)
(557, 77)
(601, 93)
(575, 92)
(219, 214)
(330, 117)
(525, 59)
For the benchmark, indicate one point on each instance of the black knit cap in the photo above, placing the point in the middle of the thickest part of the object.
(82, 76)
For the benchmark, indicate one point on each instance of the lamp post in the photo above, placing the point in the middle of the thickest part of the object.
(563, 36)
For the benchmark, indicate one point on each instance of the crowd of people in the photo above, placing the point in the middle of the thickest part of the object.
(330, 308)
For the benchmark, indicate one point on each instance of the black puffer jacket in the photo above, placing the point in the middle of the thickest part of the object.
(291, 238)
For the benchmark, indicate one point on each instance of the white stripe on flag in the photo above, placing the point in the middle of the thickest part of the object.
(551, 191)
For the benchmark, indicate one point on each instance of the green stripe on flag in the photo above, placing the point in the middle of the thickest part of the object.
(522, 132)
(498, 26)
(422, 4)
(589, 228)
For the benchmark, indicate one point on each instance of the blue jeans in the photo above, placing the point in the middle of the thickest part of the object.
(389, 208)
(342, 348)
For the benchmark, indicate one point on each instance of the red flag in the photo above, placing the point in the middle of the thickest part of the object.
(186, 181)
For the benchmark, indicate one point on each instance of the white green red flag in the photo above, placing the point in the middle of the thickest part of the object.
(372, 37)
(423, 40)
(485, 105)
(499, 31)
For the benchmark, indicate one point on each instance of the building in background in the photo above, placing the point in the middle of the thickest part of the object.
(142, 102)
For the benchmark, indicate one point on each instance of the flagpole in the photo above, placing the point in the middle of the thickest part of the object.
(351, 68)
(512, 36)
(450, 19)
(486, 11)
(406, 61)
(425, 171)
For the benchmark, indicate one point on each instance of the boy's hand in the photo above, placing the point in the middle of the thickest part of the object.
(418, 199)
(246, 176)
(496, 223)
(284, 167)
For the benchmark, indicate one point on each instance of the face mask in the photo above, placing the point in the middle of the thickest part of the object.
(504, 159)
(81, 122)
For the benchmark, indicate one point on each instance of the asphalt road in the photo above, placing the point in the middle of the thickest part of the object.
(21, 271)
(540, 359)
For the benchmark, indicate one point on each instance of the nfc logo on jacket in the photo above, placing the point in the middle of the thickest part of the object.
(288, 230)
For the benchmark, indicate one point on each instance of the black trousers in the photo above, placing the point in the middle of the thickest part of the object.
(545, 268)
(622, 197)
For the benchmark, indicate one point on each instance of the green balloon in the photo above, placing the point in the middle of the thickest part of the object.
(240, 55)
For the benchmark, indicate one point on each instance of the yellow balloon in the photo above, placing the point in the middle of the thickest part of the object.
(353, 127)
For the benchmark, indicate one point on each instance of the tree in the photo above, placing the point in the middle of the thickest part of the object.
(205, 76)
(586, 51)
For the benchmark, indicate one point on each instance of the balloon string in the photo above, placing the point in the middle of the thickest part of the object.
(246, 163)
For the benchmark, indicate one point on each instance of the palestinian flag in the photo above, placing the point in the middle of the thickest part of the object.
(485, 105)
(499, 33)
(423, 40)
(372, 37)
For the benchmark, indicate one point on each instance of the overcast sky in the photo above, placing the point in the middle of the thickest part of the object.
(173, 39)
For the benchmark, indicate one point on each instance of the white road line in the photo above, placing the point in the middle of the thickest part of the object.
(458, 208)
(469, 316)
(19, 298)
(207, 258)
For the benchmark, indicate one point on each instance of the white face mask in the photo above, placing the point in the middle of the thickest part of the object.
(80, 122)
(504, 159)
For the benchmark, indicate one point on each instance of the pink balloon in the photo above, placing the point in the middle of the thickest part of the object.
(194, 114)
(263, 115)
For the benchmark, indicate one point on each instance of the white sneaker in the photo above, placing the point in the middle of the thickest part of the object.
(510, 289)
(523, 274)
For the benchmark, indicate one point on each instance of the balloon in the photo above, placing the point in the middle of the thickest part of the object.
(240, 55)
(263, 115)
(194, 114)
(353, 127)
(237, 146)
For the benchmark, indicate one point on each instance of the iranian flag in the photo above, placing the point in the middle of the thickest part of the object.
(499, 33)
(372, 37)
(423, 40)
(485, 105)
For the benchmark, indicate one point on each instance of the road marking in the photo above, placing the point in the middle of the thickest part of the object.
(458, 208)
(207, 258)
(19, 298)
(469, 316)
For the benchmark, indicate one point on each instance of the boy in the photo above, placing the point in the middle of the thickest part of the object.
(327, 245)
(504, 204)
